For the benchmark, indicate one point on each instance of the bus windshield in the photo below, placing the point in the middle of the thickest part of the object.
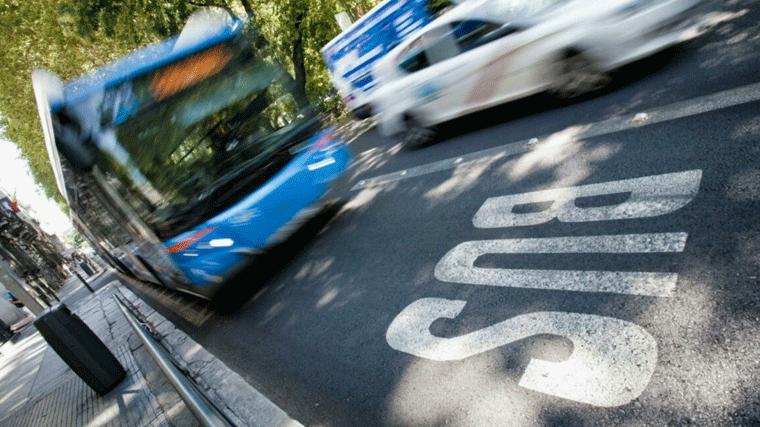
(184, 142)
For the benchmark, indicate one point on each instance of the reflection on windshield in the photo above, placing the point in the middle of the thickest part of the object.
(185, 155)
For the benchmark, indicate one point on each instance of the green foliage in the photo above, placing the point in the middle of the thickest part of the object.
(437, 7)
(68, 37)
(137, 21)
(284, 23)
(75, 240)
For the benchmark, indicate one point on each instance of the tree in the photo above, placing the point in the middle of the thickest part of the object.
(75, 240)
(297, 30)
(33, 35)
(138, 21)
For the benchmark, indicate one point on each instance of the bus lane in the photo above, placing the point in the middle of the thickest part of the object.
(598, 280)
(612, 360)
(673, 317)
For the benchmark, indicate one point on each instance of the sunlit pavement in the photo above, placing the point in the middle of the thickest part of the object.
(590, 263)
(39, 389)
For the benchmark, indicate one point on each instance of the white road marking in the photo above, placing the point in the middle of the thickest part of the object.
(650, 196)
(612, 360)
(692, 107)
(611, 364)
(457, 266)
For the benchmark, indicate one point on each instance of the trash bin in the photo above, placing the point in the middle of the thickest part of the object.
(86, 268)
(5, 332)
(80, 348)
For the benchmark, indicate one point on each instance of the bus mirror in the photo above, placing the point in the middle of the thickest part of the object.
(63, 132)
(72, 145)
(49, 92)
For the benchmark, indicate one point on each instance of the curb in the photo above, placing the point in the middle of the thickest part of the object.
(238, 400)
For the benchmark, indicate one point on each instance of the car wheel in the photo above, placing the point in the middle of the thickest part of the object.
(579, 75)
(417, 134)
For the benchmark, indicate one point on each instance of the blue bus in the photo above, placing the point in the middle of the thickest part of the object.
(184, 160)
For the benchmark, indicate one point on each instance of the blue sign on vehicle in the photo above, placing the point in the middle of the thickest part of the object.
(351, 55)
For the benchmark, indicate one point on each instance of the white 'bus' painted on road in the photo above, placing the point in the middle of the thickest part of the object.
(611, 364)
(612, 360)
(458, 264)
(649, 197)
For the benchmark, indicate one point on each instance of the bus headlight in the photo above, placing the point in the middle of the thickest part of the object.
(221, 243)
(320, 164)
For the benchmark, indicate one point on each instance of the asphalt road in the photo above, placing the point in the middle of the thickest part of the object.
(606, 273)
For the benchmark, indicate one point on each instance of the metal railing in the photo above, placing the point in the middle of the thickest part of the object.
(204, 411)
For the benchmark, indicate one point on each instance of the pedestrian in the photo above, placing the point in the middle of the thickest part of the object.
(16, 302)
(13, 300)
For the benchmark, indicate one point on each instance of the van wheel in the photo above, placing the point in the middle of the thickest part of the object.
(579, 75)
(415, 134)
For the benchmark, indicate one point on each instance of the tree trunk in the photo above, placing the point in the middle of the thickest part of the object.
(247, 7)
(299, 66)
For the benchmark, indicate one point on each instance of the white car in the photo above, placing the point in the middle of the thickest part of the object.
(487, 52)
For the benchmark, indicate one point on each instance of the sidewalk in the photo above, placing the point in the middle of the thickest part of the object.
(38, 389)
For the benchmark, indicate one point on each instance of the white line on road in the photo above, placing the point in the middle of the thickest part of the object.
(458, 265)
(701, 105)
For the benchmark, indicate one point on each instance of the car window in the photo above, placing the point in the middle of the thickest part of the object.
(447, 41)
(471, 34)
(413, 57)
(415, 62)
(441, 44)
(435, 45)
